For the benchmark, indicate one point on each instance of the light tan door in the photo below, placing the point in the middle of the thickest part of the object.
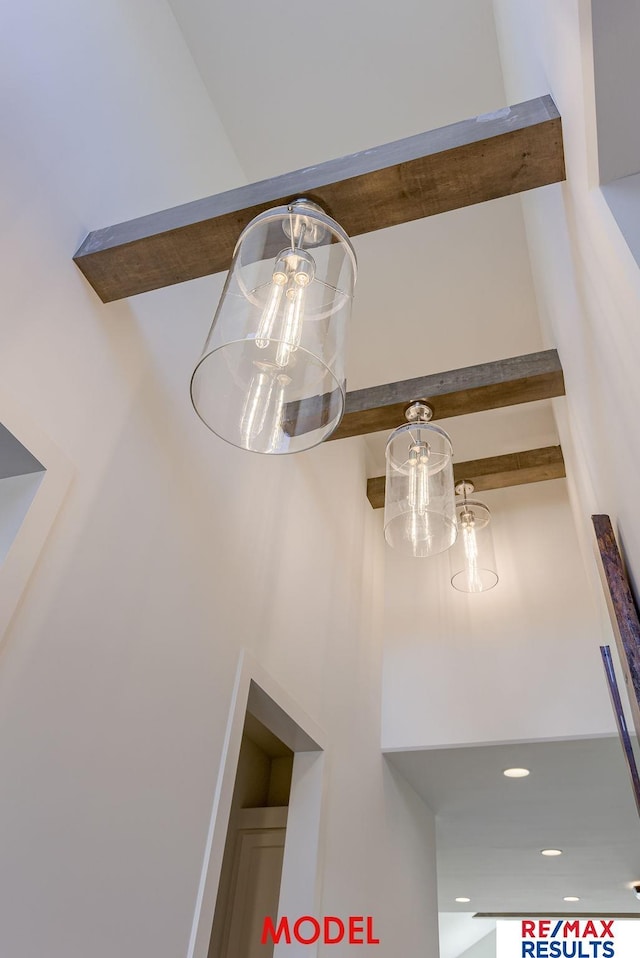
(255, 881)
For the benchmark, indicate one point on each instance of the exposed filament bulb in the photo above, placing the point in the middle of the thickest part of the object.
(277, 425)
(470, 545)
(268, 318)
(292, 325)
(419, 477)
(256, 407)
(283, 314)
(262, 421)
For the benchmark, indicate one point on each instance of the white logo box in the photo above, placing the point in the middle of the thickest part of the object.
(568, 938)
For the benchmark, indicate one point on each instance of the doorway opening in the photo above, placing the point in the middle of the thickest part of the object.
(249, 887)
(263, 852)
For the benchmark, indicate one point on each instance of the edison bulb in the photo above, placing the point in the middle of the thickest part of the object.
(470, 546)
(473, 564)
(418, 477)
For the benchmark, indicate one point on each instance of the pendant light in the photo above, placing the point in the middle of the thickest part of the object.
(271, 377)
(472, 559)
(419, 508)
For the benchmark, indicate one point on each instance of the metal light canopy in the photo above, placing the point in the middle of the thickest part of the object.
(419, 509)
(271, 378)
(472, 559)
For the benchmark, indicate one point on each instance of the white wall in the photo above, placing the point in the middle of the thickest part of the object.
(172, 551)
(460, 932)
(587, 281)
(485, 948)
(520, 662)
(616, 24)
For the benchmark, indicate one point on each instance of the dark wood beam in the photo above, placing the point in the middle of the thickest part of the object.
(505, 382)
(498, 154)
(496, 472)
(513, 469)
(622, 610)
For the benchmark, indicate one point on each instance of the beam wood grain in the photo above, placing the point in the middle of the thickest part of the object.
(622, 610)
(497, 154)
(505, 382)
(495, 472)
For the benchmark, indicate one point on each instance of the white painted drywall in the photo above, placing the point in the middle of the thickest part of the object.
(172, 552)
(485, 948)
(616, 25)
(520, 662)
(364, 74)
(587, 280)
(460, 932)
(623, 197)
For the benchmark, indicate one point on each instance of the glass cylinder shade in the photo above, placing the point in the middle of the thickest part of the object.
(472, 559)
(419, 507)
(271, 378)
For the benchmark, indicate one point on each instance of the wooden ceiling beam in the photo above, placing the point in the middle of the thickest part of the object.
(505, 382)
(517, 148)
(496, 472)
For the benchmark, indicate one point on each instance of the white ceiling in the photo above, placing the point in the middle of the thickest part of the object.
(437, 294)
(295, 85)
(442, 293)
(490, 829)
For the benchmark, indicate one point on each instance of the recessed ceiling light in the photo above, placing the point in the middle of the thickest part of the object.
(551, 852)
(463, 899)
(516, 772)
(571, 898)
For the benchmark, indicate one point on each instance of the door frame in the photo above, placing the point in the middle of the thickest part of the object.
(300, 888)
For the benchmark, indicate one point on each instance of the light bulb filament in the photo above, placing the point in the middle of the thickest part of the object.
(292, 326)
(256, 407)
(419, 477)
(277, 426)
(262, 423)
(283, 313)
(470, 545)
(268, 318)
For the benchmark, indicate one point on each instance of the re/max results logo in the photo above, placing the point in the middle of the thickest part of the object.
(586, 937)
(562, 938)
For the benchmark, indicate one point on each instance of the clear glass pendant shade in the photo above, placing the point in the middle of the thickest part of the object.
(271, 377)
(419, 508)
(472, 559)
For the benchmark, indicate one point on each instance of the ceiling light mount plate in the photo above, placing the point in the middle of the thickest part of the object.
(418, 411)
(303, 226)
(464, 488)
